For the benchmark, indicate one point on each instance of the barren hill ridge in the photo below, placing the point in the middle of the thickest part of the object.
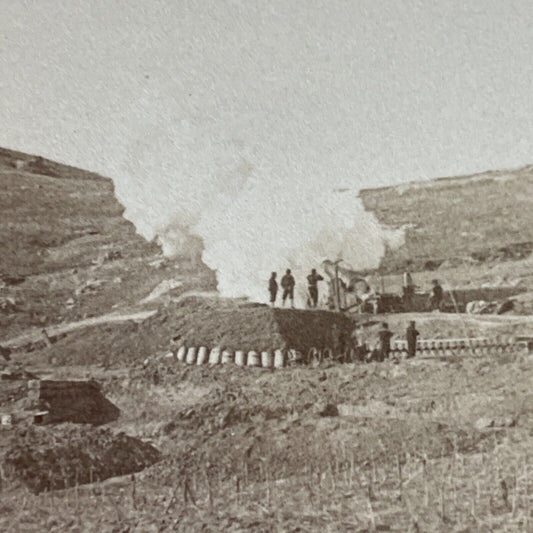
(67, 250)
(477, 218)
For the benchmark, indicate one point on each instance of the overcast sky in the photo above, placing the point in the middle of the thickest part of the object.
(180, 100)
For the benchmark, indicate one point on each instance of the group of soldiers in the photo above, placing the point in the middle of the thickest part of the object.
(288, 283)
(380, 351)
(385, 336)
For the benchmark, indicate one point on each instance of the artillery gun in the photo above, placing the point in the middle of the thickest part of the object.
(349, 292)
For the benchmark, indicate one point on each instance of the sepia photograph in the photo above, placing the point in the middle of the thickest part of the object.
(266, 266)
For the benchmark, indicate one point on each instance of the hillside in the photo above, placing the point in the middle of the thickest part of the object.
(67, 251)
(69, 254)
(468, 219)
(439, 442)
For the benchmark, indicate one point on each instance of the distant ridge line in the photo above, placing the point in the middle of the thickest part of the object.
(448, 180)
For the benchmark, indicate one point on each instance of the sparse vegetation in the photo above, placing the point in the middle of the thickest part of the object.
(248, 450)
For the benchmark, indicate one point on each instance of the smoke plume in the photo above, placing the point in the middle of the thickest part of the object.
(253, 217)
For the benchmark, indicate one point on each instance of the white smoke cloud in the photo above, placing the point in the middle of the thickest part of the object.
(253, 218)
(237, 120)
(264, 231)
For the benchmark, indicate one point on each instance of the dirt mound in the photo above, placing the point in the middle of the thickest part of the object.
(68, 456)
(223, 323)
(199, 322)
(202, 323)
(303, 330)
(218, 415)
(73, 401)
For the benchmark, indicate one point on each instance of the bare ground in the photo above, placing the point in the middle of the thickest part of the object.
(426, 445)
(441, 444)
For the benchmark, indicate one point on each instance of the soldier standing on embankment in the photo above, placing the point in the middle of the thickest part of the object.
(273, 288)
(288, 283)
(411, 336)
(312, 286)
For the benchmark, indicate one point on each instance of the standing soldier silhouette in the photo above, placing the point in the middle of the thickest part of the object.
(312, 286)
(437, 295)
(288, 283)
(384, 335)
(273, 288)
(408, 290)
(411, 336)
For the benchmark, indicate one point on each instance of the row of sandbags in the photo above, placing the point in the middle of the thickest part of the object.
(193, 355)
(502, 344)
(266, 359)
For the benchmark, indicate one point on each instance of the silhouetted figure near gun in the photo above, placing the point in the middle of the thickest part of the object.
(437, 295)
(408, 289)
(312, 286)
(385, 336)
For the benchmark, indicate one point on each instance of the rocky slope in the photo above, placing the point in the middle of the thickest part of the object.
(468, 219)
(67, 251)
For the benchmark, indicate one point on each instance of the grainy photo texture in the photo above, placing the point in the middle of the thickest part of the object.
(266, 266)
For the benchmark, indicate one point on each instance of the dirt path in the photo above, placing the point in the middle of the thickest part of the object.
(196, 293)
(496, 320)
(35, 334)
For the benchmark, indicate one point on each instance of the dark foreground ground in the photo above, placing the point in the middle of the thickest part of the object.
(425, 445)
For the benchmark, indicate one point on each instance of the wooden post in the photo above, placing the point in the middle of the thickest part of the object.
(337, 289)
